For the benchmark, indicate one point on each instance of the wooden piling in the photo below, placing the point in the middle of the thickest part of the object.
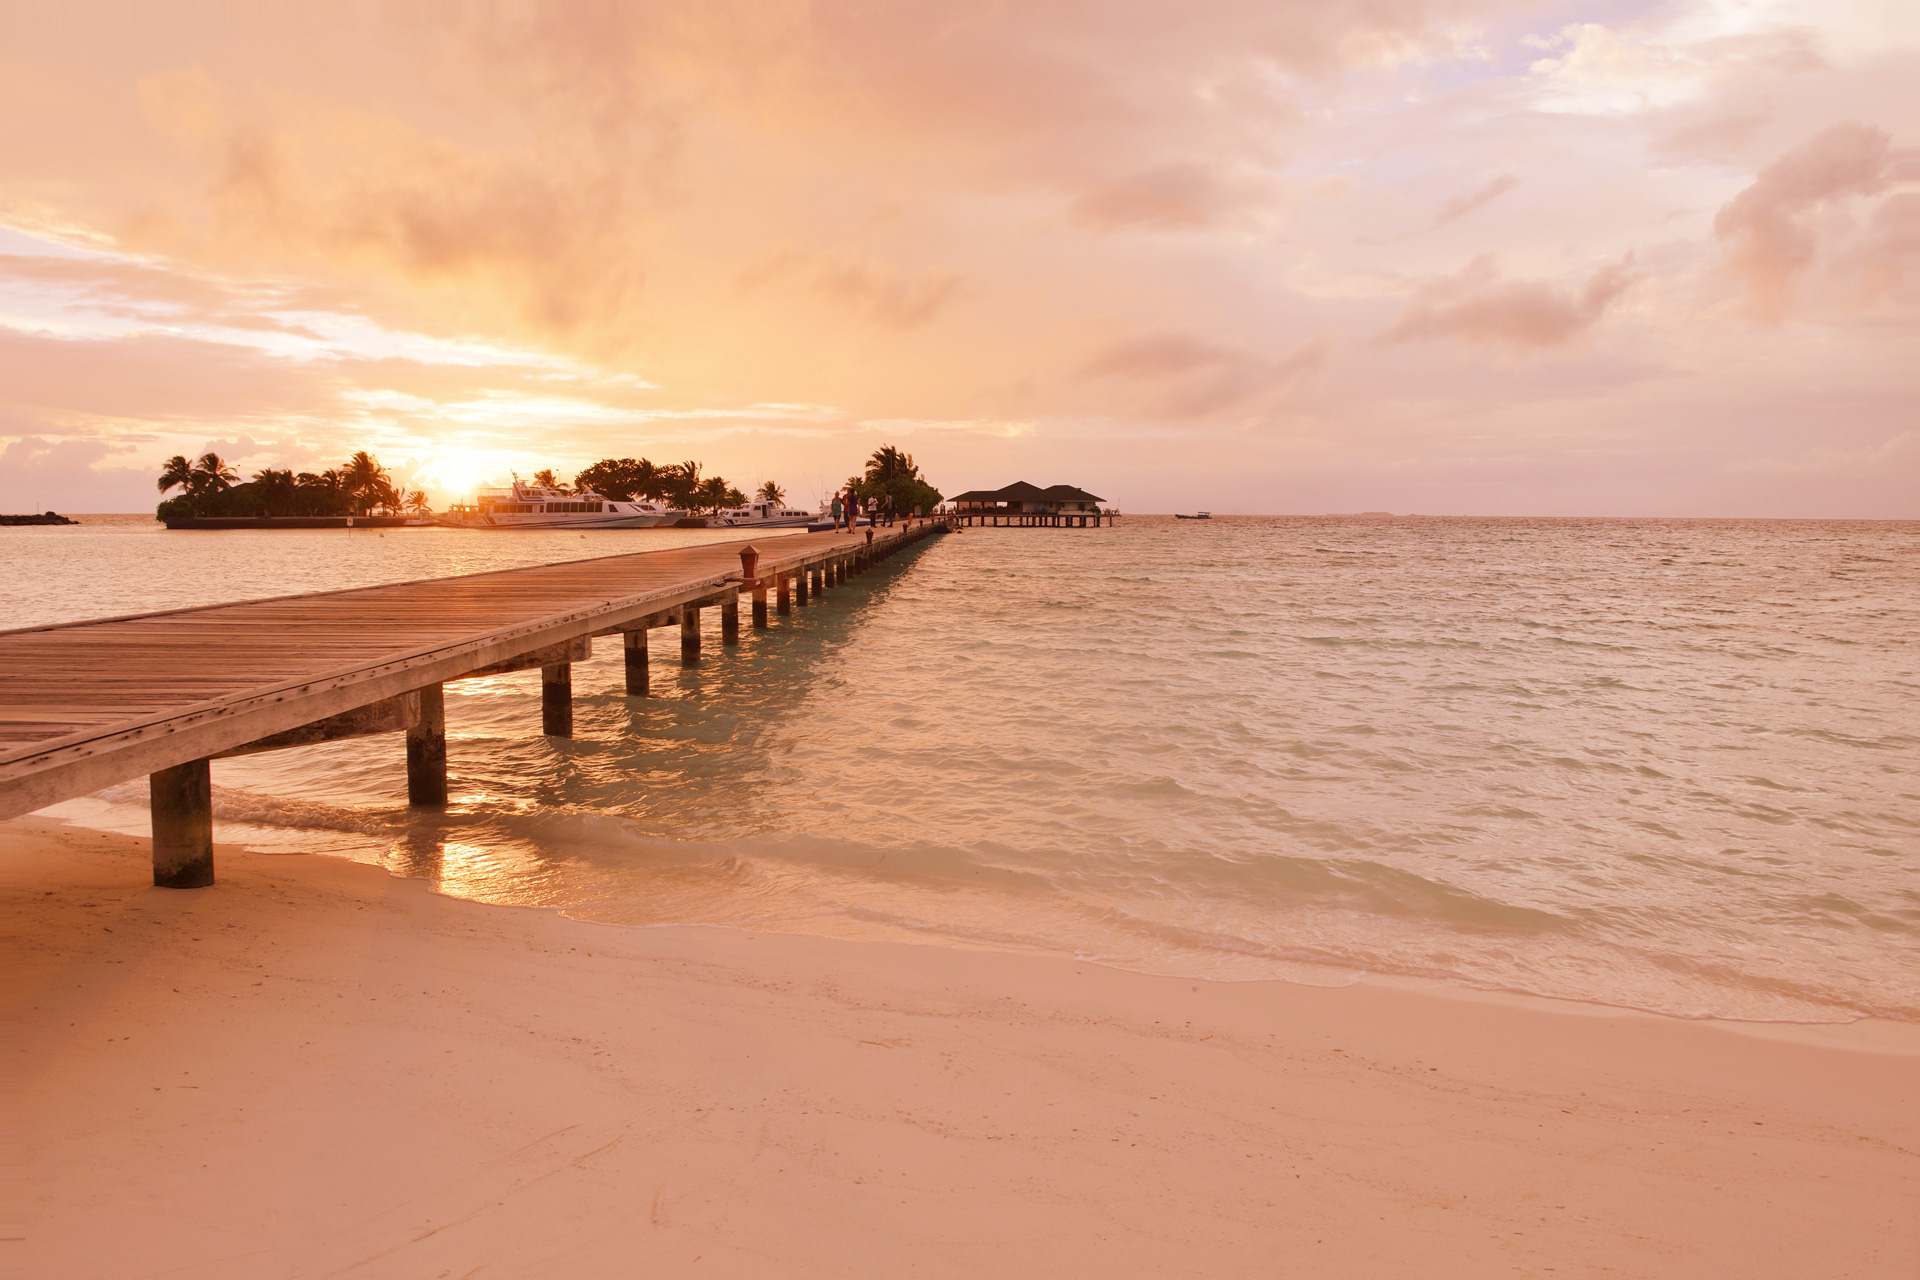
(783, 595)
(690, 635)
(803, 586)
(427, 750)
(556, 700)
(636, 653)
(730, 618)
(181, 804)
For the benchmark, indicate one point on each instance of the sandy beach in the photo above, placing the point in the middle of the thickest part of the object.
(318, 1069)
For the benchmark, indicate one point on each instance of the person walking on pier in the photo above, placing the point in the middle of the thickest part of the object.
(836, 513)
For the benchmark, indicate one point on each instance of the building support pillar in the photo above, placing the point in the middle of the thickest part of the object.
(427, 751)
(556, 700)
(181, 804)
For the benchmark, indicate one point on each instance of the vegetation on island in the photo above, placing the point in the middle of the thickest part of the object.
(680, 484)
(360, 486)
(677, 484)
(891, 473)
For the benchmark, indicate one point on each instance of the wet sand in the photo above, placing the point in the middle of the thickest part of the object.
(316, 1069)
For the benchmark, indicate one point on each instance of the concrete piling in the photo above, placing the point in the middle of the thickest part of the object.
(636, 655)
(427, 750)
(556, 700)
(181, 804)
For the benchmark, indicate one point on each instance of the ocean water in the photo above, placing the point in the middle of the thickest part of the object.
(1669, 765)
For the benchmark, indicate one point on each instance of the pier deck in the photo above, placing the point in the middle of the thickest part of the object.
(89, 704)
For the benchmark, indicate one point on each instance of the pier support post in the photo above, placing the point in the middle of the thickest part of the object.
(689, 635)
(802, 584)
(556, 700)
(427, 751)
(730, 618)
(182, 813)
(636, 653)
(760, 606)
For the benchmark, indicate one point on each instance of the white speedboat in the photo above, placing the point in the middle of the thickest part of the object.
(759, 514)
(532, 506)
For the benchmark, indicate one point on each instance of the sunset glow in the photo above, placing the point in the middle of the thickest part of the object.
(1462, 257)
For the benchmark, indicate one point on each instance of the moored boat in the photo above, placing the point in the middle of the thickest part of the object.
(531, 506)
(1198, 515)
(761, 514)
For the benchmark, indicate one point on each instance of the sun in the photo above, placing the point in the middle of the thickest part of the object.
(454, 473)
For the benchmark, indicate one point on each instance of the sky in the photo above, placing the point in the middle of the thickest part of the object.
(1447, 257)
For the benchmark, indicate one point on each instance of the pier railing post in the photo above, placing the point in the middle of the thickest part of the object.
(556, 700)
(181, 801)
(750, 572)
(636, 654)
(689, 635)
(427, 751)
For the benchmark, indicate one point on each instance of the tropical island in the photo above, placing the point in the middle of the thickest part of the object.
(358, 487)
(208, 489)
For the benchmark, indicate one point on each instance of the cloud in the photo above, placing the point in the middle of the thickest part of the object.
(889, 296)
(65, 475)
(156, 378)
(892, 298)
(1198, 378)
(1768, 228)
(1478, 306)
(1461, 206)
(1167, 197)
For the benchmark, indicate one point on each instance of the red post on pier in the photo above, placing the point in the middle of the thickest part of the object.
(750, 571)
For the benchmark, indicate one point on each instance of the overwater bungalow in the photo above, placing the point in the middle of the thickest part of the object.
(1029, 506)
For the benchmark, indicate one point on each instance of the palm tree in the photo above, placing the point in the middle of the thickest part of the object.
(889, 463)
(213, 473)
(275, 490)
(416, 501)
(360, 477)
(712, 493)
(680, 484)
(771, 492)
(547, 480)
(177, 473)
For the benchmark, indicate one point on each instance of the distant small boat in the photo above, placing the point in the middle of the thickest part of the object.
(1198, 515)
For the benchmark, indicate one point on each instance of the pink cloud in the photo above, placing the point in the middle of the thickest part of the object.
(1461, 206)
(1166, 197)
(1199, 378)
(1478, 306)
(1767, 229)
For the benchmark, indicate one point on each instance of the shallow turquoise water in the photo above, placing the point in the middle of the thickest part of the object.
(1673, 765)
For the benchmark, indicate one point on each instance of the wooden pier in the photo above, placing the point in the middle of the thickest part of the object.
(85, 705)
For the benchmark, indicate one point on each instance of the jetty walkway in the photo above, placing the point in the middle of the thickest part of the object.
(85, 705)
